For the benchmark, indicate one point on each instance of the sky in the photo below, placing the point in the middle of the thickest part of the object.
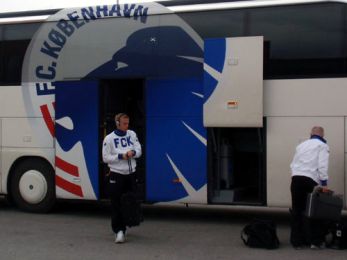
(23, 5)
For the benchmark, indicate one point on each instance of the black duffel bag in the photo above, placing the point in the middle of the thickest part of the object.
(338, 235)
(260, 234)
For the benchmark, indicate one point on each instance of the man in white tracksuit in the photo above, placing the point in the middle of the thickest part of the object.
(309, 169)
(120, 148)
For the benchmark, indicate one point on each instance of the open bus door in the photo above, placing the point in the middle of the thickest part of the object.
(77, 139)
(176, 141)
(233, 115)
(124, 95)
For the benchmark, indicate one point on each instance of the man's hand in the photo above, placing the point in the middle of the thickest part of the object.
(322, 189)
(325, 189)
(130, 154)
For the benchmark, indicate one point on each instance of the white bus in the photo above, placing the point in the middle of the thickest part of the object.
(219, 92)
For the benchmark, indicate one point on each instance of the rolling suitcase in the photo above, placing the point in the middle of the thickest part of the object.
(131, 209)
(325, 206)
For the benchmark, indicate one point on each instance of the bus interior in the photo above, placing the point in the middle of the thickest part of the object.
(123, 96)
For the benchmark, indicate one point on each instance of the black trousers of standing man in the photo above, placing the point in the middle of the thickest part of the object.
(119, 184)
(303, 230)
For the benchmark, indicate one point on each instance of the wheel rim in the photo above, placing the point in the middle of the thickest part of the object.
(33, 186)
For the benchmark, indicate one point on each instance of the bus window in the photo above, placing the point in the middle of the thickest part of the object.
(226, 23)
(14, 40)
(305, 40)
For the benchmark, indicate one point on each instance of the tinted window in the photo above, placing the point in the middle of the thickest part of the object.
(215, 24)
(306, 40)
(14, 40)
(300, 41)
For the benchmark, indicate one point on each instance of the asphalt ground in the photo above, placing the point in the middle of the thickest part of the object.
(81, 230)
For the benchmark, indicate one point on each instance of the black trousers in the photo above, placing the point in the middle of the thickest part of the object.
(303, 231)
(118, 185)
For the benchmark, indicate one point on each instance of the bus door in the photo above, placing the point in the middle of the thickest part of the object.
(77, 139)
(176, 141)
(233, 115)
(124, 96)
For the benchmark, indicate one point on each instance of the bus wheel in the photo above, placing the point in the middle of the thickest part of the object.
(32, 186)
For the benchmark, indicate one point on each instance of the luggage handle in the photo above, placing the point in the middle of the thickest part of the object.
(318, 190)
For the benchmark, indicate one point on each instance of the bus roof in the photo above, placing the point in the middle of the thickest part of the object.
(17, 6)
(15, 11)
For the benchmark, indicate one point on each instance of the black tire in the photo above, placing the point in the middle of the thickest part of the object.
(33, 186)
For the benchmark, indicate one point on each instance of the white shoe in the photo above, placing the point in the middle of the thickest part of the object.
(120, 237)
(320, 246)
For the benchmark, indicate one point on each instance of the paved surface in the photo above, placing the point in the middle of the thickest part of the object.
(82, 231)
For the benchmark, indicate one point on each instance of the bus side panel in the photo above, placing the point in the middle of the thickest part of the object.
(21, 134)
(10, 106)
(175, 142)
(305, 97)
(11, 102)
(18, 133)
(283, 135)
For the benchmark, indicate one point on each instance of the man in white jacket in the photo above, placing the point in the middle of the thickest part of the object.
(309, 169)
(120, 148)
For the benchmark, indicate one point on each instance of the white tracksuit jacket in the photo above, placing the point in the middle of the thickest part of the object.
(115, 145)
(311, 159)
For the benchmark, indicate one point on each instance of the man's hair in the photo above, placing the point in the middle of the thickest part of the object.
(317, 130)
(118, 117)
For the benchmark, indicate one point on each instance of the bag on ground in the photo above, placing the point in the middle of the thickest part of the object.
(131, 209)
(338, 235)
(260, 234)
(326, 206)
